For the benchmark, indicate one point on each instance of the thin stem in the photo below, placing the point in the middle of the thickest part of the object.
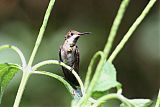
(18, 51)
(89, 71)
(112, 96)
(41, 32)
(119, 89)
(107, 49)
(56, 77)
(131, 30)
(94, 80)
(24, 80)
(158, 100)
(115, 26)
(27, 70)
(64, 65)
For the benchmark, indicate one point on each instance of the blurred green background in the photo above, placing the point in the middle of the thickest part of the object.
(137, 64)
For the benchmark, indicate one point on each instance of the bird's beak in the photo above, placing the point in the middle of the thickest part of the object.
(84, 33)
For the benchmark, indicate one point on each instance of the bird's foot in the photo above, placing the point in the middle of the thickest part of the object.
(59, 61)
(76, 93)
(71, 69)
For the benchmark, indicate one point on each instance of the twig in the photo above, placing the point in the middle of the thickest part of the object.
(131, 30)
(41, 32)
(115, 26)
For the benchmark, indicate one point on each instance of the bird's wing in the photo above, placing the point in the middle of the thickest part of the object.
(77, 59)
(65, 71)
(60, 54)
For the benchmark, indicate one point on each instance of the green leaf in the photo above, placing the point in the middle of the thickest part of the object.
(99, 94)
(107, 79)
(7, 72)
(139, 103)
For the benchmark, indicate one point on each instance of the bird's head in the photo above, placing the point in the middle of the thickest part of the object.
(72, 36)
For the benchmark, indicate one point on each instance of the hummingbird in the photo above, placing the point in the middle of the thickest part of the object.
(69, 54)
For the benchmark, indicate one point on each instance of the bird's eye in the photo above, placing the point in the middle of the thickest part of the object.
(72, 34)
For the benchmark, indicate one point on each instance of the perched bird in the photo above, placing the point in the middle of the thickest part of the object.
(69, 54)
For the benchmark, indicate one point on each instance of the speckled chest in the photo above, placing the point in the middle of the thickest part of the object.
(68, 54)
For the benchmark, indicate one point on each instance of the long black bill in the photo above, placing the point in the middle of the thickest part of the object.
(84, 33)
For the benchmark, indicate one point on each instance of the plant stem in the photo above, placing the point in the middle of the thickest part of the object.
(23, 60)
(119, 89)
(24, 80)
(27, 70)
(112, 96)
(67, 85)
(89, 71)
(115, 26)
(94, 80)
(158, 100)
(103, 54)
(131, 30)
(64, 65)
(41, 32)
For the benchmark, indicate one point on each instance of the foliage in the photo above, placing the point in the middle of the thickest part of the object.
(108, 78)
(7, 72)
(103, 79)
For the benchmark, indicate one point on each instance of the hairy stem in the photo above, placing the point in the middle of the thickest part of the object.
(64, 65)
(115, 26)
(112, 96)
(24, 80)
(93, 81)
(27, 69)
(131, 30)
(103, 54)
(89, 71)
(23, 60)
(68, 86)
(41, 32)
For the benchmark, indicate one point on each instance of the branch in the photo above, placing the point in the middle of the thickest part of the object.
(67, 85)
(112, 96)
(18, 51)
(41, 32)
(115, 26)
(64, 65)
(89, 71)
(94, 79)
(131, 30)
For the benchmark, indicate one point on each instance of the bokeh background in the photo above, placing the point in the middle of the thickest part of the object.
(137, 64)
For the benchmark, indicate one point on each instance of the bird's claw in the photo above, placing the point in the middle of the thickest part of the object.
(71, 69)
(59, 61)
